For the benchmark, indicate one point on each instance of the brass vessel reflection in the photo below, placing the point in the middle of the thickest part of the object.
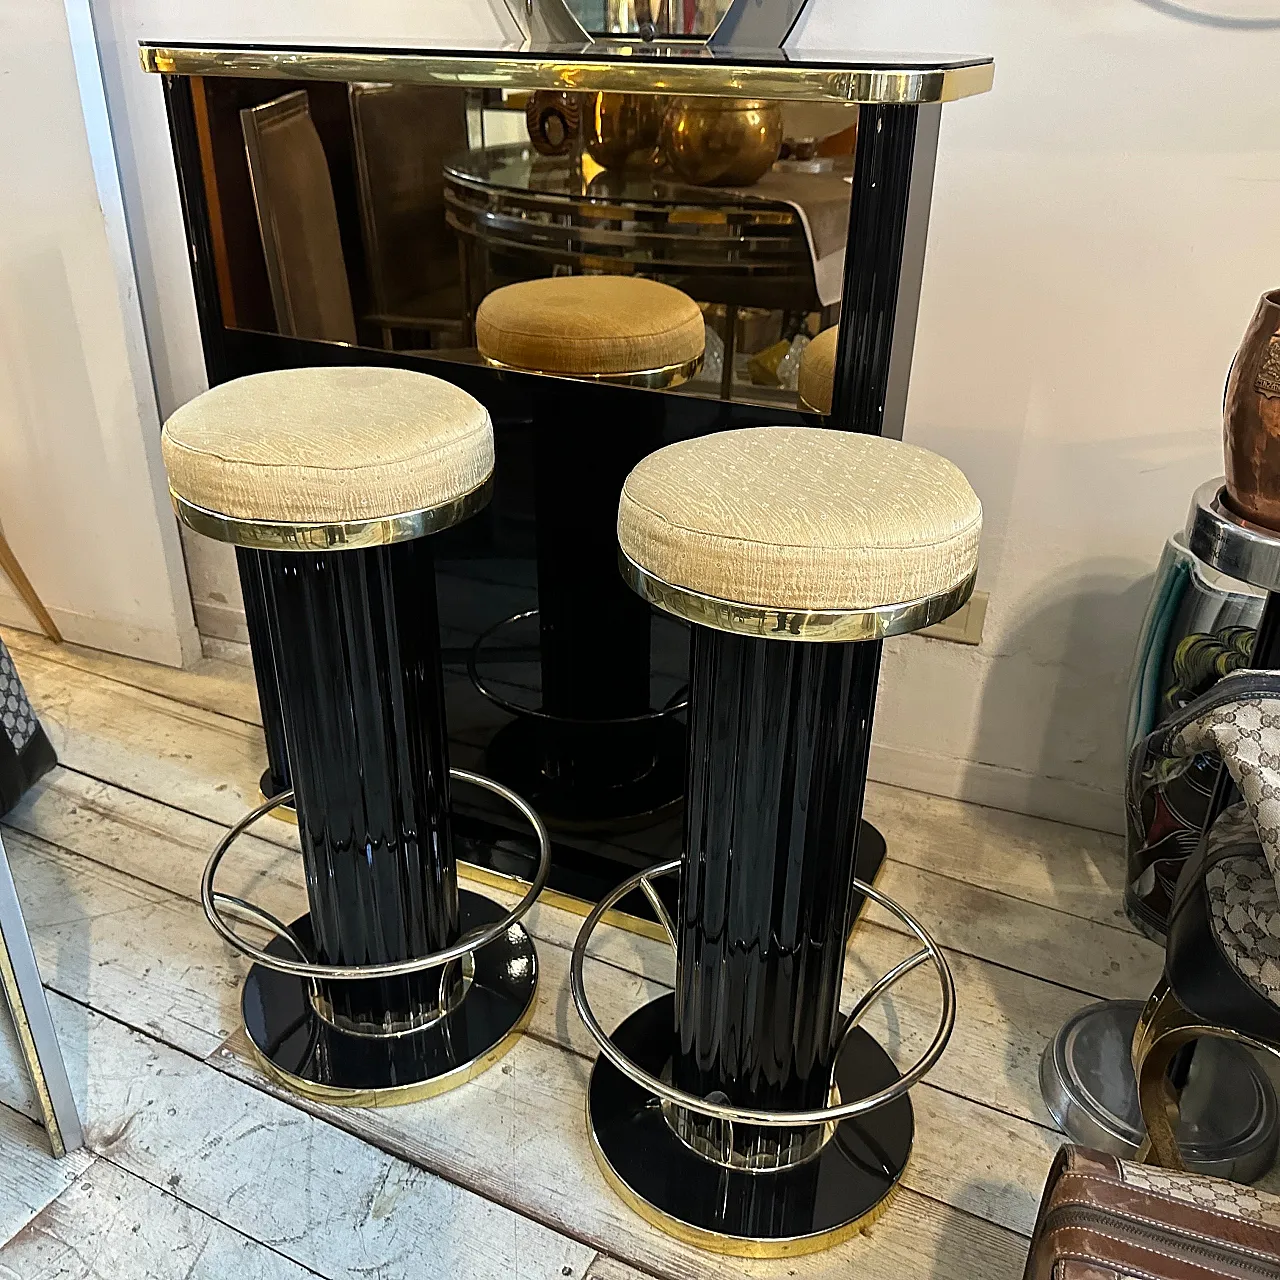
(722, 142)
(622, 127)
(554, 121)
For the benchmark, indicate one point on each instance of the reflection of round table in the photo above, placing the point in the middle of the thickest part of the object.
(519, 213)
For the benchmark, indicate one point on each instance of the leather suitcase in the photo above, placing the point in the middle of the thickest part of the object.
(1102, 1218)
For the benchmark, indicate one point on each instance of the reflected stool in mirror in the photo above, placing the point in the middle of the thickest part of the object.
(396, 984)
(597, 749)
(816, 379)
(744, 1112)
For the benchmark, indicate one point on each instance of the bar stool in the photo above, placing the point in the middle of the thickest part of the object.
(744, 1112)
(396, 985)
(815, 381)
(595, 750)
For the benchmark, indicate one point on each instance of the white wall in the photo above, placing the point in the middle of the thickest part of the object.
(1103, 224)
(151, 194)
(82, 496)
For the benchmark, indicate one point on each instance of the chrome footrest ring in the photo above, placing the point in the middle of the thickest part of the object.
(746, 1115)
(213, 901)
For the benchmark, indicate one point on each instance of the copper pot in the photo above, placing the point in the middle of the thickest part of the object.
(619, 127)
(1251, 418)
(722, 142)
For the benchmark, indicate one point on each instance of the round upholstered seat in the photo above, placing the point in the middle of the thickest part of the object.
(591, 326)
(802, 519)
(314, 448)
(815, 380)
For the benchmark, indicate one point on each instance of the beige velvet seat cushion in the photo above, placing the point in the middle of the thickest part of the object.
(801, 518)
(590, 325)
(816, 378)
(326, 446)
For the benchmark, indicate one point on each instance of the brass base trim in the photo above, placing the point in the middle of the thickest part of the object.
(660, 379)
(814, 625)
(735, 1246)
(554, 898)
(393, 1095)
(278, 535)
(285, 813)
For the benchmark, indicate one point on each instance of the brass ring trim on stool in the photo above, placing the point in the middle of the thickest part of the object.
(748, 1115)
(210, 898)
(268, 535)
(660, 379)
(817, 625)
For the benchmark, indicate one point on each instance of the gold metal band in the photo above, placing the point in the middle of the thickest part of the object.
(670, 375)
(267, 535)
(733, 1246)
(390, 1095)
(819, 625)
(615, 68)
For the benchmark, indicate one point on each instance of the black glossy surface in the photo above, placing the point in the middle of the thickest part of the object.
(850, 1177)
(490, 560)
(872, 267)
(356, 643)
(285, 1028)
(253, 588)
(779, 736)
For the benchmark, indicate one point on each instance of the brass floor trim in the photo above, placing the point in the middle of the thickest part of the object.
(396, 1095)
(735, 1246)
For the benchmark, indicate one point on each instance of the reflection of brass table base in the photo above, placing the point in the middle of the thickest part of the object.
(311, 1057)
(810, 1206)
(524, 753)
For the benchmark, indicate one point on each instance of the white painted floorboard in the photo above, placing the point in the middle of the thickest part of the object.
(495, 1178)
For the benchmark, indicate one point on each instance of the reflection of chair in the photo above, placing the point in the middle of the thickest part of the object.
(402, 134)
(293, 193)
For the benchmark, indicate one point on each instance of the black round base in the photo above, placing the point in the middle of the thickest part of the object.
(808, 1207)
(300, 1050)
(586, 776)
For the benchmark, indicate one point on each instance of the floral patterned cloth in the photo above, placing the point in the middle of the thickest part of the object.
(1239, 722)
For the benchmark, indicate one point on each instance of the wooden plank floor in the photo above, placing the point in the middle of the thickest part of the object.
(199, 1167)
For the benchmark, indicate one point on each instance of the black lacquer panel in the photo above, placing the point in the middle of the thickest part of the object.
(257, 619)
(356, 642)
(779, 735)
(873, 265)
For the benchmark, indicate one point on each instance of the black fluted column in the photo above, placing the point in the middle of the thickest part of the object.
(355, 637)
(257, 617)
(779, 733)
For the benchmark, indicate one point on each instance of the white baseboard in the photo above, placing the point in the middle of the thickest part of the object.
(220, 621)
(111, 634)
(998, 788)
(224, 635)
(227, 650)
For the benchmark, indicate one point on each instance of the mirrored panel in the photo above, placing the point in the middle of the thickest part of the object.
(652, 17)
(381, 216)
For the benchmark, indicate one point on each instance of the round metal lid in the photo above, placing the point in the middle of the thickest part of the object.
(1229, 1115)
(1230, 543)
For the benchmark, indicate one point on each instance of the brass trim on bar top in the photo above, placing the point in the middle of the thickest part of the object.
(618, 68)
